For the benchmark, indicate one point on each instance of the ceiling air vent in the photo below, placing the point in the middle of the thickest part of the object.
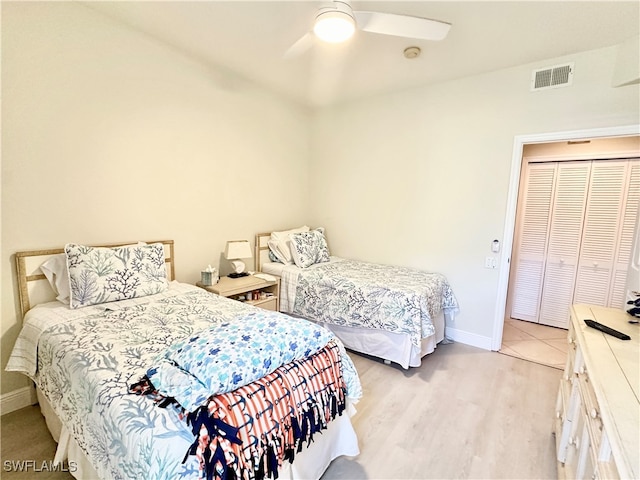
(552, 77)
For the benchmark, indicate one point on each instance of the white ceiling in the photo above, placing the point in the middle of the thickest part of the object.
(250, 39)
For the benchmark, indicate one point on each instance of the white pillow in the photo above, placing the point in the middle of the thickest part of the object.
(55, 269)
(280, 243)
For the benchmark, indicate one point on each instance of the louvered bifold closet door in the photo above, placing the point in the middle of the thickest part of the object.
(563, 251)
(531, 241)
(631, 203)
(603, 220)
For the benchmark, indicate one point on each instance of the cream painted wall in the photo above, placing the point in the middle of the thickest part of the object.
(110, 136)
(421, 178)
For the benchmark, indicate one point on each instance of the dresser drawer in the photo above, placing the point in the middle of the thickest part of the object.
(597, 408)
(590, 406)
(571, 351)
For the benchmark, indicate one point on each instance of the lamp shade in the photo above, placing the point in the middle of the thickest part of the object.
(237, 249)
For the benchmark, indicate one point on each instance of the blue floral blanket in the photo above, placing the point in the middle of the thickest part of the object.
(230, 355)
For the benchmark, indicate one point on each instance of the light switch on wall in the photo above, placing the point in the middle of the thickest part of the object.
(490, 262)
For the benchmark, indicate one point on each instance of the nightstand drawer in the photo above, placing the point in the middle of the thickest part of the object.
(267, 304)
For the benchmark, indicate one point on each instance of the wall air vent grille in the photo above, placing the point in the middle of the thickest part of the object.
(552, 77)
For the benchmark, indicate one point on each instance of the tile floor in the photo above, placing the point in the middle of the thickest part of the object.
(534, 342)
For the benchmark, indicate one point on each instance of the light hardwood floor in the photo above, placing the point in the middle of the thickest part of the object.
(465, 413)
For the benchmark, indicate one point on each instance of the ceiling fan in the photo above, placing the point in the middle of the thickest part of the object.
(336, 22)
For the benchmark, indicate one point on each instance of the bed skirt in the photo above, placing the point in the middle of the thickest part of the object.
(393, 347)
(339, 439)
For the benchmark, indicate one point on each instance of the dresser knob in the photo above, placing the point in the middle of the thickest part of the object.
(594, 413)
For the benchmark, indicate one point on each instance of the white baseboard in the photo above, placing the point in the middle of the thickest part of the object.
(17, 399)
(468, 338)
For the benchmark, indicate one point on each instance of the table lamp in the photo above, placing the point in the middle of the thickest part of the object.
(235, 251)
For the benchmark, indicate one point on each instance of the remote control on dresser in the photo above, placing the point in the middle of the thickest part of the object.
(607, 330)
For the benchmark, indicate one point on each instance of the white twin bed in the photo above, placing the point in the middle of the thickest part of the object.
(87, 362)
(393, 313)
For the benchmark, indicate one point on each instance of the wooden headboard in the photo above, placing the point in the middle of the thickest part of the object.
(262, 249)
(32, 290)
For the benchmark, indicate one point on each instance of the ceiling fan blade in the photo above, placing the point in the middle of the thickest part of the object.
(402, 25)
(303, 44)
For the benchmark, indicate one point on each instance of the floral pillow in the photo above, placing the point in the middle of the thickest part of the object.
(279, 244)
(100, 275)
(309, 248)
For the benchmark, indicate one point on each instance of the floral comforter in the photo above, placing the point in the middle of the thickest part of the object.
(88, 358)
(360, 294)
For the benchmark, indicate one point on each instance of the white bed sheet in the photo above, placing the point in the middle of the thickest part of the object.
(388, 346)
(274, 268)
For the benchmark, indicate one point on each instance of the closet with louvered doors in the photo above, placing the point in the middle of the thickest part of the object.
(573, 237)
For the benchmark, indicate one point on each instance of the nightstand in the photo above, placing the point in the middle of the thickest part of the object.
(268, 292)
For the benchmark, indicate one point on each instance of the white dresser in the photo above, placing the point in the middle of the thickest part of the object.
(597, 425)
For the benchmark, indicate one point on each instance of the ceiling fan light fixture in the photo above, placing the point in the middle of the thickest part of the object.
(334, 26)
